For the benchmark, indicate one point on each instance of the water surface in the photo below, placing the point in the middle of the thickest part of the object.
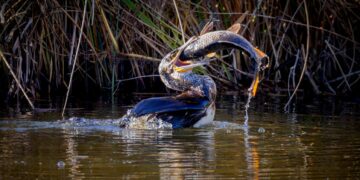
(322, 143)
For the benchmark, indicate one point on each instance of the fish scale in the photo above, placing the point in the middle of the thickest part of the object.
(219, 40)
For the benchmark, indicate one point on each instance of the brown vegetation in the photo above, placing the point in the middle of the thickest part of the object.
(126, 38)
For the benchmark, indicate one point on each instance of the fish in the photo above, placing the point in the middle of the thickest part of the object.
(207, 43)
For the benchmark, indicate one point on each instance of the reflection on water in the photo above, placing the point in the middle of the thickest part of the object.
(272, 145)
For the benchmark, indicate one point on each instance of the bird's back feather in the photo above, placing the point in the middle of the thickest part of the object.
(180, 112)
(168, 104)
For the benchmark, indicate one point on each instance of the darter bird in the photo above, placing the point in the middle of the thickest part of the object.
(195, 106)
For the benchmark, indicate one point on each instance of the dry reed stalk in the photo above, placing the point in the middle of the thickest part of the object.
(76, 57)
(305, 55)
(140, 57)
(112, 37)
(312, 82)
(36, 35)
(16, 80)
(180, 23)
(338, 64)
(130, 79)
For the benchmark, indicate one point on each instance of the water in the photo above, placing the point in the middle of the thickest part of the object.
(296, 145)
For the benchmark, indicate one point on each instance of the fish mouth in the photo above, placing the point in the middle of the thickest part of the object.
(180, 63)
(262, 59)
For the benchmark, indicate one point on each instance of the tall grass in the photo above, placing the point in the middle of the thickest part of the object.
(126, 38)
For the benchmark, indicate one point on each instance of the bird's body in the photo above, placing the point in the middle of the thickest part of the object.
(195, 106)
(173, 112)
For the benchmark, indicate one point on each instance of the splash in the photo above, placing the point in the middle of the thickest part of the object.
(143, 122)
(251, 93)
(247, 105)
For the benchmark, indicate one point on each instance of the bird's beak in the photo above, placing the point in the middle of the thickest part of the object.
(183, 66)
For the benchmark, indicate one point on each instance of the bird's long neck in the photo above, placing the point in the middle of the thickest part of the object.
(198, 84)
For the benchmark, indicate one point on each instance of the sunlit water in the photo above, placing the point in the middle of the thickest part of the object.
(90, 144)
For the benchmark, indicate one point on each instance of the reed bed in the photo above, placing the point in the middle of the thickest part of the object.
(313, 45)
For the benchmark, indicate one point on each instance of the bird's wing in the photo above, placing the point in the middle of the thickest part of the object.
(168, 104)
(182, 119)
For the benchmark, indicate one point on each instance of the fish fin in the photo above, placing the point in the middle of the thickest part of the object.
(242, 17)
(207, 28)
(260, 53)
(235, 28)
(255, 85)
(211, 55)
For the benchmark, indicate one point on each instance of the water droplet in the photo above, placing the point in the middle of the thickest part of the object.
(261, 130)
(60, 164)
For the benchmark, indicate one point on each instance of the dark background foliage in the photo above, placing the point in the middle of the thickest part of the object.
(125, 39)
